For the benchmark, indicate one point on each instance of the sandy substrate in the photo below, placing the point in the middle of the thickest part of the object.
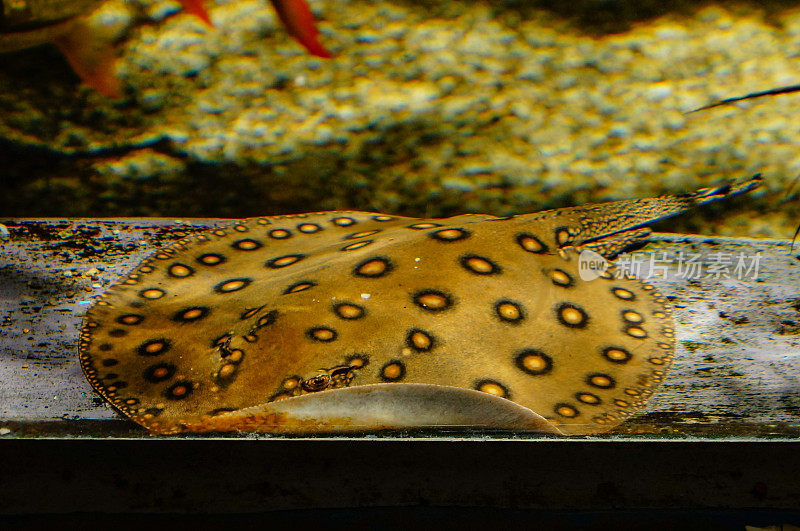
(428, 108)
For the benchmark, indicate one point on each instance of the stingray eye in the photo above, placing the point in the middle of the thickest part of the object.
(316, 383)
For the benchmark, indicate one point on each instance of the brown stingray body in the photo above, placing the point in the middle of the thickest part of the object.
(356, 320)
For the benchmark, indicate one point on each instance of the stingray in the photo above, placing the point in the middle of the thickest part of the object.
(357, 321)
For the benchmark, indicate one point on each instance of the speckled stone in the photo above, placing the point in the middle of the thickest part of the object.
(428, 108)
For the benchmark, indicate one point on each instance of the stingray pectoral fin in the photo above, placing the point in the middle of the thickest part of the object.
(299, 22)
(91, 57)
(377, 407)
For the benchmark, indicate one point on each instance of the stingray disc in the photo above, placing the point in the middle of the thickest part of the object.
(211, 333)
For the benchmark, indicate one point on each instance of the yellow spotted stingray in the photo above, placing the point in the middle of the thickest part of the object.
(355, 321)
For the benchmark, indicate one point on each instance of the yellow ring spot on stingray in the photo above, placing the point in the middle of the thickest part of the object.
(534, 362)
(343, 221)
(602, 381)
(309, 228)
(432, 300)
(621, 403)
(363, 234)
(659, 315)
(508, 311)
(565, 410)
(240, 228)
(290, 383)
(322, 334)
(571, 315)
(492, 388)
(152, 293)
(279, 234)
(562, 236)
(622, 293)
(219, 232)
(479, 265)
(236, 355)
(419, 340)
(616, 354)
(193, 313)
(283, 261)
(632, 317)
(357, 245)
(393, 371)
(637, 332)
(349, 311)
(375, 267)
(450, 235)
(422, 226)
(560, 278)
(210, 259)
(632, 392)
(656, 361)
(531, 243)
(180, 270)
(383, 217)
(247, 245)
(588, 398)
(234, 284)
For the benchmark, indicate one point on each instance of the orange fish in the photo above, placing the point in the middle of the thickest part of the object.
(27, 23)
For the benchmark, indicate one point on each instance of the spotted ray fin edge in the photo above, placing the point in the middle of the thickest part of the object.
(378, 407)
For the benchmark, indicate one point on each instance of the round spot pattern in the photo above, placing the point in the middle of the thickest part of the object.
(480, 265)
(322, 333)
(561, 278)
(509, 311)
(531, 243)
(565, 410)
(419, 340)
(279, 234)
(348, 310)
(362, 234)
(154, 347)
(299, 286)
(424, 225)
(247, 244)
(450, 235)
(309, 228)
(600, 380)
(130, 319)
(571, 315)
(191, 314)
(159, 372)
(356, 245)
(492, 387)
(179, 390)
(284, 261)
(211, 259)
(616, 354)
(178, 270)
(433, 300)
(343, 221)
(624, 294)
(588, 398)
(534, 362)
(374, 267)
(393, 371)
(231, 285)
(152, 293)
